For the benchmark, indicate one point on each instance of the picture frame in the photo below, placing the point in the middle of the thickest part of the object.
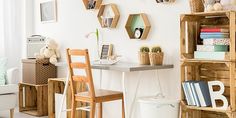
(106, 51)
(48, 11)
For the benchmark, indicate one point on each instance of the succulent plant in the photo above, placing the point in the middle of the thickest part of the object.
(144, 49)
(156, 49)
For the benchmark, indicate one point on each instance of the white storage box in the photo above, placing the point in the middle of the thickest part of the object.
(58, 98)
(151, 107)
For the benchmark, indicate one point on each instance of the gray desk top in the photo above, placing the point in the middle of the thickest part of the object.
(124, 66)
(130, 67)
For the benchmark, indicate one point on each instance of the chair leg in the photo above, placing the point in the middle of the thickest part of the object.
(73, 108)
(92, 109)
(123, 108)
(100, 110)
(12, 113)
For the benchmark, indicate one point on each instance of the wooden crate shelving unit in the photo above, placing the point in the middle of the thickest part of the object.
(33, 99)
(57, 85)
(114, 10)
(207, 70)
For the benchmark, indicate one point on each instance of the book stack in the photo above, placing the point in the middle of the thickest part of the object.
(215, 44)
(197, 93)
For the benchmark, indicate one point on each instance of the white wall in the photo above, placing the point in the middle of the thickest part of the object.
(28, 22)
(1, 30)
(74, 22)
(13, 29)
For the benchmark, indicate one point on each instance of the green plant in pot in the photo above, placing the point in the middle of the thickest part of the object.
(144, 55)
(156, 55)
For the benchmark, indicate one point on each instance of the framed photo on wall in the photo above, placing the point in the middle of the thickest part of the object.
(48, 11)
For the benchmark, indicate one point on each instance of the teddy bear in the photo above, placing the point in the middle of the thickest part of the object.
(50, 50)
(213, 5)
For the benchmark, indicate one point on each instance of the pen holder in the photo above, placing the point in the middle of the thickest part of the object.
(156, 58)
(144, 58)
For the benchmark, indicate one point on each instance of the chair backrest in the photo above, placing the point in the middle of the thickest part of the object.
(87, 78)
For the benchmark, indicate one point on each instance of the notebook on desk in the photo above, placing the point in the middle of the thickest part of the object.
(104, 62)
(95, 62)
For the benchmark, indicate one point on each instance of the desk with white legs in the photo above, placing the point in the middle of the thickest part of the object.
(126, 67)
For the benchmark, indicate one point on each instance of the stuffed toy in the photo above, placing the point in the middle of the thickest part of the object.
(50, 50)
(213, 5)
(218, 7)
(210, 8)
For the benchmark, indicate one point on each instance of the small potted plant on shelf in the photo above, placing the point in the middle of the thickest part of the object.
(156, 56)
(144, 56)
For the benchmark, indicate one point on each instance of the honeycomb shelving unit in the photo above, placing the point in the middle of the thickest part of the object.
(138, 21)
(92, 4)
(115, 17)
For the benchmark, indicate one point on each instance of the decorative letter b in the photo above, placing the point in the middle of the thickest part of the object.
(217, 95)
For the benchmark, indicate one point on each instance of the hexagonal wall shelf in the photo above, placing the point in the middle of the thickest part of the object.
(106, 18)
(92, 4)
(138, 22)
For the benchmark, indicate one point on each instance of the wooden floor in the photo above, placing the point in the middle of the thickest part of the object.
(5, 114)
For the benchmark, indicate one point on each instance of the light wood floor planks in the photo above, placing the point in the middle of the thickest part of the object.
(17, 114)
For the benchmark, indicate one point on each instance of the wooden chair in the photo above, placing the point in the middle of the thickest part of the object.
(91, 96)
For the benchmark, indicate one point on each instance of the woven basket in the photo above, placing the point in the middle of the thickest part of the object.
(156, 58)
(144, 58)
(196, 6)
(38, 71)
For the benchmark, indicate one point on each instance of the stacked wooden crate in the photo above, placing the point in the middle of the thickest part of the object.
(207, 68)
(33, 91)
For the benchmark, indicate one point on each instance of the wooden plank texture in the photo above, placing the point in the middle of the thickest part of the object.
(35, 102)
(57, 85)
(208, 70)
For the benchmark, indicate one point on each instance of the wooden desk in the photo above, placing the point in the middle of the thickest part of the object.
(57, 85)
(124, 67)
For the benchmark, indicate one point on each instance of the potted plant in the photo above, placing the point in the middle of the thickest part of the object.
(156, 56)
(144, 56)
(96, 33)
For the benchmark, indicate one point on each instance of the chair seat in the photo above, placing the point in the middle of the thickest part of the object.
(101, 96)
(9, 88)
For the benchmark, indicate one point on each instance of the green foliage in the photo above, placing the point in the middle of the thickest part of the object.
(144, 49)
(156, 49)
(97, 34)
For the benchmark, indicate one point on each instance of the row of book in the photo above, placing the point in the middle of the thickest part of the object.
(215, 43)
(217, 32)
(197, 93)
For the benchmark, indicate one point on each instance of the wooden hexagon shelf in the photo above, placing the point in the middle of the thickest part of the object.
(108, 21)
(92, 4)
(137, 21)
